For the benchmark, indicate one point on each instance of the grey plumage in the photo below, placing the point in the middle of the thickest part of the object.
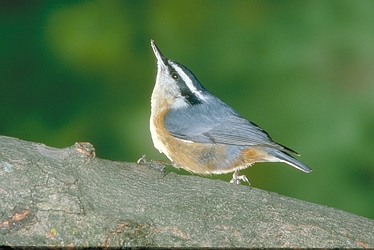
(201, 133)
(223, 125)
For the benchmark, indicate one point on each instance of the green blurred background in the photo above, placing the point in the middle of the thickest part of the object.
(303, 70)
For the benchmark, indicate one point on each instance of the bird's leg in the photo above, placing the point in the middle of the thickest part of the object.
(157, 164)
(236, 178)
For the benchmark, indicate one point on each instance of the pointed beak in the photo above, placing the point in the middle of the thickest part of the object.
(161, 60)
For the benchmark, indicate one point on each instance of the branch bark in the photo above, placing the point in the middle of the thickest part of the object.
(67, 197)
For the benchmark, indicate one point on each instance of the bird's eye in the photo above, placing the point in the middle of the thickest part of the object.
(175, 76)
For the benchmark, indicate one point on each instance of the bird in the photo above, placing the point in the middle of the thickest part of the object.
(200, 133)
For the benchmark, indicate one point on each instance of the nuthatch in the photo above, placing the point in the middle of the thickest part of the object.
(202, 134)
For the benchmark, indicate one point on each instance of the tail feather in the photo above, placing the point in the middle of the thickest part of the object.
(286, 158)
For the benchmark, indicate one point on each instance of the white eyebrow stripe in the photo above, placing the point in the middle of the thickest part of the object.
(187, 80)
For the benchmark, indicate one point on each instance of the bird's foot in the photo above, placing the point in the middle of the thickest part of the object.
(236, 178)
(157, 164)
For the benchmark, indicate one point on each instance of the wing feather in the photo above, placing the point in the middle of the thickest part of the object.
(216, 122)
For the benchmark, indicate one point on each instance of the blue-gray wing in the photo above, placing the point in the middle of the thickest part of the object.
(216, 122)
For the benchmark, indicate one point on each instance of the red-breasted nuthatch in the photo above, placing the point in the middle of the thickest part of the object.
(202, 134)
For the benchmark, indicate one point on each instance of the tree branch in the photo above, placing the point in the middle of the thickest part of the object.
(67, 197)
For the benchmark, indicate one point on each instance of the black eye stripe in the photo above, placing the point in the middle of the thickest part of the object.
(186, 92)
(191, 97)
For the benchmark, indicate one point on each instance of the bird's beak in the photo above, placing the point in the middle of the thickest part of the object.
(161, 60)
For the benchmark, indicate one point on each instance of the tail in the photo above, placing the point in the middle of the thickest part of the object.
(286, 158)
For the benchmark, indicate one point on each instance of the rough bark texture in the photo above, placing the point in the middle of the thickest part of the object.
(67, 197)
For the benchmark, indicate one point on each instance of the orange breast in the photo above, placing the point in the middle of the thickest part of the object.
(202, 158)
